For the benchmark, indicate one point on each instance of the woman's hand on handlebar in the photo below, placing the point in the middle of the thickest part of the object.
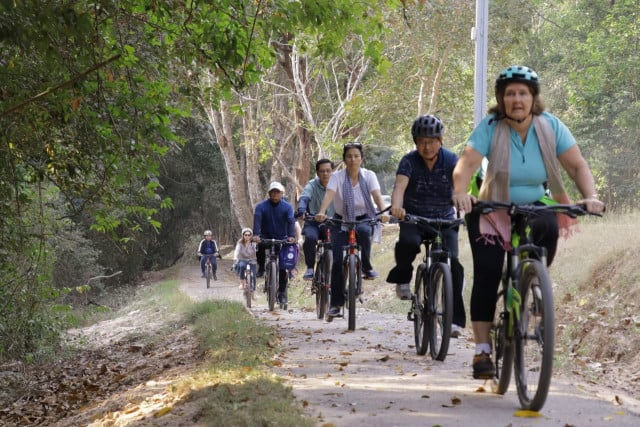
(592, 205)
(463, 202)
(320, 217)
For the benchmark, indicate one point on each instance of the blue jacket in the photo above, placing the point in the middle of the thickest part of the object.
(274, 220)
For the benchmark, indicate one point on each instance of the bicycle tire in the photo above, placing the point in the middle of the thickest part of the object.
(272, 285)
(420, 329)
(439, 310)
(351, 292)
(502, 348)
(534, 338)
(208, 276)
(323, 283)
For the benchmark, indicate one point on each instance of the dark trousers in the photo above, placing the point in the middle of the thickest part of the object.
(488, 261)
(311, 232)
(339, 239)
(408, 247)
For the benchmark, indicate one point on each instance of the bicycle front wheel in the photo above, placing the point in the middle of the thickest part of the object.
(322, 279)
(351, 292)
(420, 328)
(272, 285)
(439, 309)
(534, 337)
(208, 275)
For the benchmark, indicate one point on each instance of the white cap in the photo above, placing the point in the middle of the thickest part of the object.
(275, 185)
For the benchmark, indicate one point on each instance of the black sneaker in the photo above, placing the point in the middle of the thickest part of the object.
(333, 312)
(260, 273)
(483, 368)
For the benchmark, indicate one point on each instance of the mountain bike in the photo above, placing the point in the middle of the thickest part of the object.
(272, 271)
(321, 281)
(524, 333)
(352, 266)
(432, 300)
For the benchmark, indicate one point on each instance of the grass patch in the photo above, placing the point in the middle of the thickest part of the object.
(236, 384)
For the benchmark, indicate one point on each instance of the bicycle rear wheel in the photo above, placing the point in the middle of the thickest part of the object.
(439, 309)
(420, 328)
(534, 338)
(272, 285)
(502, 347)
(351, 292)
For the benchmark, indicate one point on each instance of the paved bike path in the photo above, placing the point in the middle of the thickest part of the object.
(373, 377)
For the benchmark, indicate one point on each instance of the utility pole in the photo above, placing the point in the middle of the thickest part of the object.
(480, 34)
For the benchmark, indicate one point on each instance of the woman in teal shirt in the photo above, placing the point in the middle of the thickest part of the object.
(525, 148)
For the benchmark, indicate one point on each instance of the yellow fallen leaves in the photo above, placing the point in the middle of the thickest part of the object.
(163, 411)
(527, 414)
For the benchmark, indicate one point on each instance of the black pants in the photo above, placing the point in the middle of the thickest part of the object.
(488, 261)
(406, 249)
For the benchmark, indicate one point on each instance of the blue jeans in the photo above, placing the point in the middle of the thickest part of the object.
(214, 262)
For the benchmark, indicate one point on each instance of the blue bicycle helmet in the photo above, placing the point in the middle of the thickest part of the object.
(428, 126)
(518, 73)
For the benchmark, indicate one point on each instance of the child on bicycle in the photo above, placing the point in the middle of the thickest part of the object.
(245, 253)
(208, 248)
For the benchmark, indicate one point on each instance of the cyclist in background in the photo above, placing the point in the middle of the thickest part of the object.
(525, 147)
(423, 187)
(208, 246)
(273, 219)
(244, 253)
(310, 202)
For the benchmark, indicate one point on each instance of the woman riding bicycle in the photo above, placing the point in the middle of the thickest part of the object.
(351, 191)
(523, 145)
(245, 253)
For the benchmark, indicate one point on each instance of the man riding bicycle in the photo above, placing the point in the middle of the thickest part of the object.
(208, 248)
(424, 186)
(273, 219)
(310, 202)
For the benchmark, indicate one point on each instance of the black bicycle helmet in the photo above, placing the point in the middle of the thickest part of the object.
(428, 126)
(518, 73)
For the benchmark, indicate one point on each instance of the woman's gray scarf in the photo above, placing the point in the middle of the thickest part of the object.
(347, 192)
(495, 185)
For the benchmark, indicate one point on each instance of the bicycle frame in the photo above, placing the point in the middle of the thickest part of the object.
(432, 302)
(527, 318)
(272, 269)
(352, 265)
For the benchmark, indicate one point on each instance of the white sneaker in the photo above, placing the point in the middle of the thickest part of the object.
(456, 330)
(403, 291)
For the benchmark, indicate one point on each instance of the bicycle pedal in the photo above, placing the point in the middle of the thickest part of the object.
(410, 316)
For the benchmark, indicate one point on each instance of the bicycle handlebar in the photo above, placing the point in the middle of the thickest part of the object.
(573, 211)
(441, 223)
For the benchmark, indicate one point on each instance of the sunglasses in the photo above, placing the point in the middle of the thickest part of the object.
(353, 145)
